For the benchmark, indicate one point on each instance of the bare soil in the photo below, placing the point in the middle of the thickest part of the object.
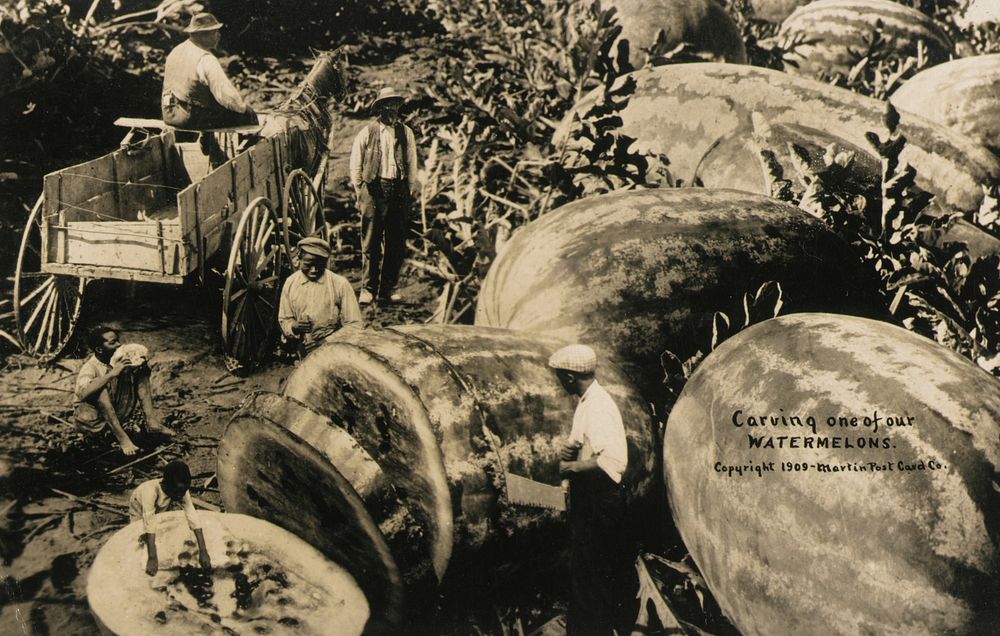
(47, 539)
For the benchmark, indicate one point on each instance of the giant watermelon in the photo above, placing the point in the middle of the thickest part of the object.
(634, 273)
(697, 113)
(703, 24)
(856, 530)
(961, 94)
(836, 34)
(264, 580)
(393, 444)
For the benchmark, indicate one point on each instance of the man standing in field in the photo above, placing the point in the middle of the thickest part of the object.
(197, 94)
(315, 302)
(383, 172)
(594, 460)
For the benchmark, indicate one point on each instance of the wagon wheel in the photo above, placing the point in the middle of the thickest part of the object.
(46, 306)
(253, 285)
(301, 211)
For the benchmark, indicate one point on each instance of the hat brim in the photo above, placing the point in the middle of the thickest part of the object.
(214, 27)
(392, 98)
(314, 250)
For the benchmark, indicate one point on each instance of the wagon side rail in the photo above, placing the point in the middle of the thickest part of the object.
(116, 216)
(209, 209)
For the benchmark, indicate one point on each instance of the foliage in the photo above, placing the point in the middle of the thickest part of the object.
(940, 292)
(880, 68)
(54, 79)
(763, 304)
(274, 27)
(491, 165)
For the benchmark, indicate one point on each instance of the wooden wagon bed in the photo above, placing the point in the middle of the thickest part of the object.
(152, 212)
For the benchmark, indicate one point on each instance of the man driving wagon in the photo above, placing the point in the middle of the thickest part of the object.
(197, 94)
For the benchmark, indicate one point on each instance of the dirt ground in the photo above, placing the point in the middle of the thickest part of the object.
(63, 493)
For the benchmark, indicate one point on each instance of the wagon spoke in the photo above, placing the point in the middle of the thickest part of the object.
(46, 306)
(263, 256)
(56, 319)
(265, 312)
(269, 281)
(45, 321)
(38, 308)
(266, 259)
(255, 269)
(262, 233)
(67, 311)
(46, 285)
(300, 211)
(244, 256)
(238, 313)
(237, 295)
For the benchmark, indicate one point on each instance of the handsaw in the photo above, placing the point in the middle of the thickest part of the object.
(522, 491)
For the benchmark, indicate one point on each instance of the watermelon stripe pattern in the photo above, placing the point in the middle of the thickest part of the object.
(267, 471)
(686, 110)
(907, 549)
(963, 95)
(835, 32)
(634, 273)
(703, 24)
(436, 407)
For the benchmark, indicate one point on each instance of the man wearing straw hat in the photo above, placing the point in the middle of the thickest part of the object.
(383, 172)
(197, 94)
(594, 460)
(315, 302)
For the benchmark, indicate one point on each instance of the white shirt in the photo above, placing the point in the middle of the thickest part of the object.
(210, 72)
(148, 500)
(387, 141)
(329, 303)
(597, 424)
(90, 371)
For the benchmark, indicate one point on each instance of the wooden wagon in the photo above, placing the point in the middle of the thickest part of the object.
(156, 211)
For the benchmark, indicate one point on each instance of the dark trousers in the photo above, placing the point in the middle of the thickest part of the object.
(385, 218)
(601, 562)
(190, 117)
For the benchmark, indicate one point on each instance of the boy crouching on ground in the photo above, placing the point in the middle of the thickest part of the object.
(110, 394)
(153, 497)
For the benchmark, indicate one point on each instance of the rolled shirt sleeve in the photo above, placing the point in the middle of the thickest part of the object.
(350, 310)
(286, 319)
(143, 505)
(210, 71)
(597, 423)
(88, 373)
(194, 521)
(608, 442)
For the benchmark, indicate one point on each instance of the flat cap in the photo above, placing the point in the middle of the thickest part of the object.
(314, 245)
(575, 357)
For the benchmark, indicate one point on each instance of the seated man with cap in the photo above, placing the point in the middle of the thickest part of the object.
(315, 302)
(594, 460)
(197, 94)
